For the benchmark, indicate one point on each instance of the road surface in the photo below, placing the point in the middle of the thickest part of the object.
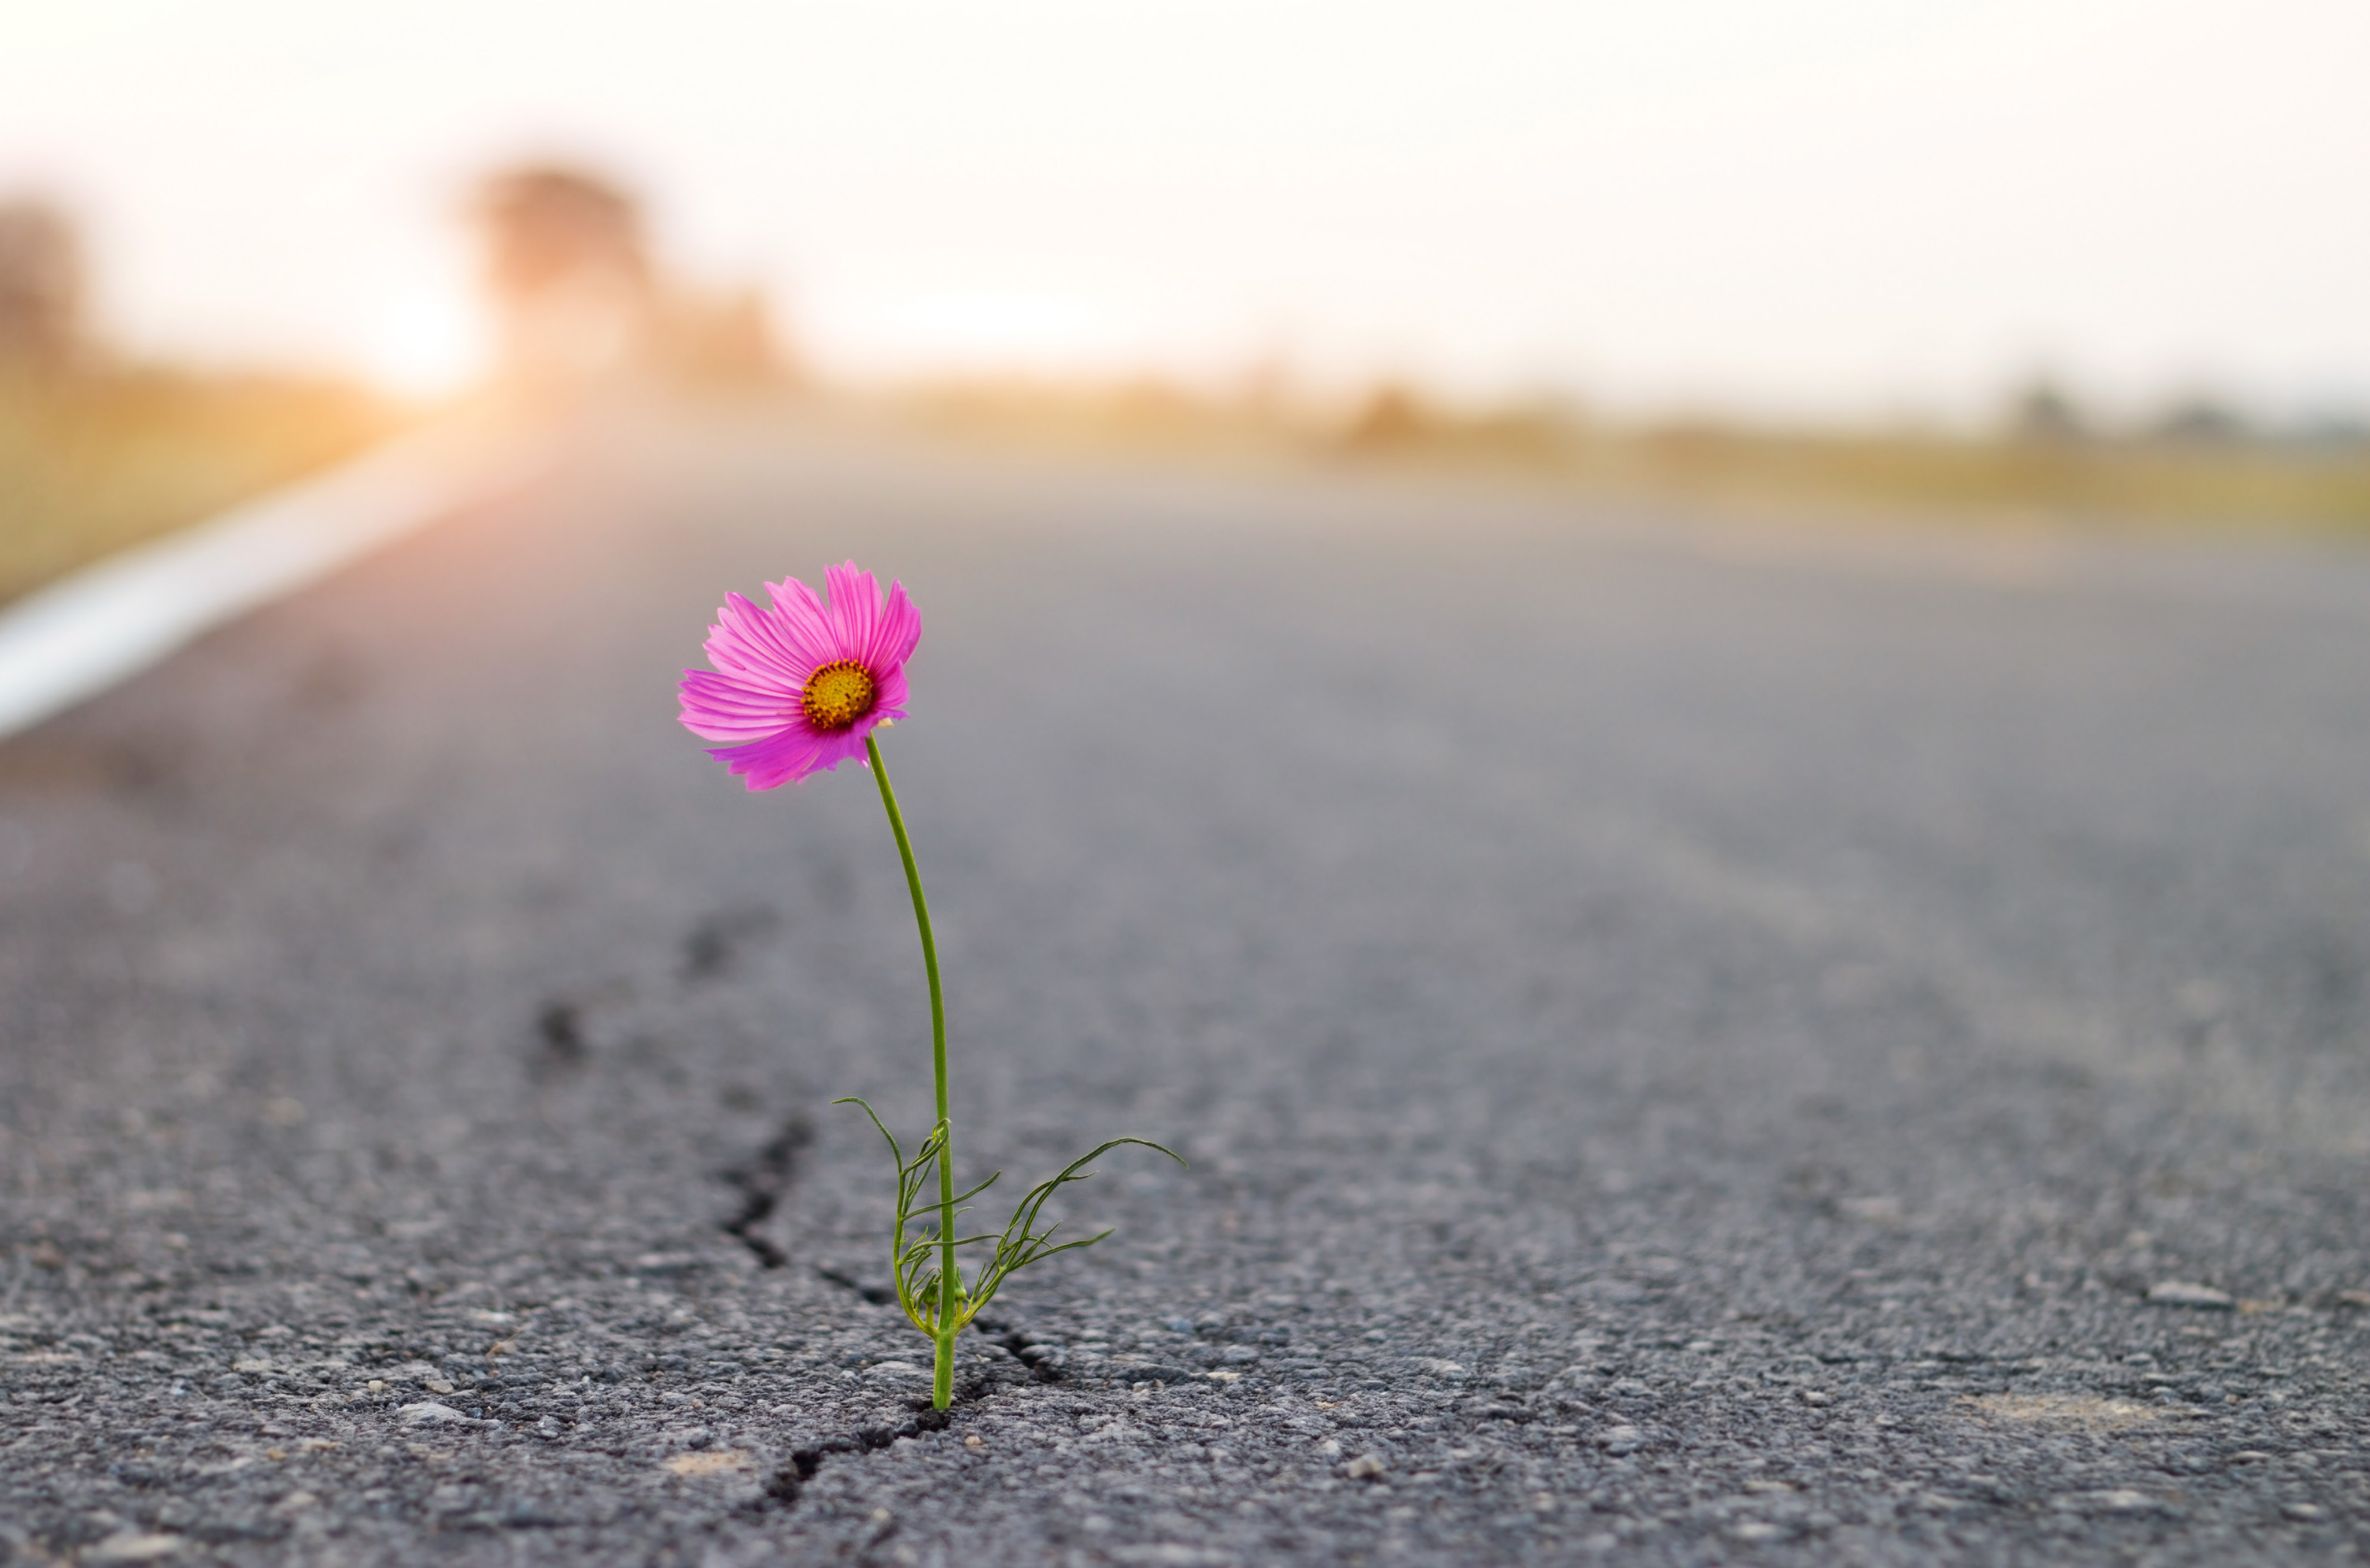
(1696, 1041)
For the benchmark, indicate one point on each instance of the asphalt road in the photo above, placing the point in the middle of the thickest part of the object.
(1695, 1040)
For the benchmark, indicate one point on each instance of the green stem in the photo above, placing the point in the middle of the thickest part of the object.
(942, 1387)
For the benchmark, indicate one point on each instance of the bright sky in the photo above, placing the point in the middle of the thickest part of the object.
(1826, 207)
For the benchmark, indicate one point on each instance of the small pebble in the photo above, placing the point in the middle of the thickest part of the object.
(1365, 1467)
(428, 1411)
(2180, 1293)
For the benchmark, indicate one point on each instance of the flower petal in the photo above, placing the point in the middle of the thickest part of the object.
(897, 634)
(759, 644)
(855, 611)
(732, 708)
(842, 745)
(888, 699)
(768, 764)
(803, 622)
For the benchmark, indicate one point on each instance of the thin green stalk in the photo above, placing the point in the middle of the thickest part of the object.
(942, 1387)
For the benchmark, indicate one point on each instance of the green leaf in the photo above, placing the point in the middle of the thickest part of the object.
(894, 1152)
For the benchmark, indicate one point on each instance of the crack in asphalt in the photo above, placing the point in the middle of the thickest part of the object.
(714, 945)
(559, 1025)
(761, 1180)
(879, 1295)
(1042, 1357)
(784, 1487)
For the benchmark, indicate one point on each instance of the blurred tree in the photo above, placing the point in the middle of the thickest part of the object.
(1393, 416)
(724, 342)
(568, 263)
(2333, 429)
(41, 288)
(2044, 411)
(2201, 421)
(569, 268)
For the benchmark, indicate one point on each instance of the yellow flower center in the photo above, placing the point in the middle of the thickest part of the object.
(837, 695)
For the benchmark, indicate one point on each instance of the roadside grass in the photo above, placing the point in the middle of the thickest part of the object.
(92, 463)
(2207, 487)
(2226, 487)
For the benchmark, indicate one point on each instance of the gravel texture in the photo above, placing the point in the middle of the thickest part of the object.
(1698, 1042)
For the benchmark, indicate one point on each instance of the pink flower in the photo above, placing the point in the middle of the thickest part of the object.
(800, 685)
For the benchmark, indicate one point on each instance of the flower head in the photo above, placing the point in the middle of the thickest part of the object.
(799, 686)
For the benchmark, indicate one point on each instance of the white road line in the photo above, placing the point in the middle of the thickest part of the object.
(74, 638)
